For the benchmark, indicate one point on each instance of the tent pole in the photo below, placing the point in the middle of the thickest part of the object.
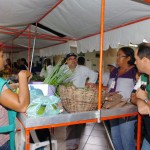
(101, 52)
(33, 49)
(55, 5)
(29, 43)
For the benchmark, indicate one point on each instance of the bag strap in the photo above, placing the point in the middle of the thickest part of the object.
(11, 117)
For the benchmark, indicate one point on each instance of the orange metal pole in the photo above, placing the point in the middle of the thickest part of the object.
(8, 32)
(27, 139)
(148, 1)
(50, 10)
(120, 26)
(139, 132)
(118, 116)
(58, 125)
(11, 29)
(101, 53)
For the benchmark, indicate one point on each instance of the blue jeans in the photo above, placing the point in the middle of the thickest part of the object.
(145, 145)
(122, 133)
(6, 146)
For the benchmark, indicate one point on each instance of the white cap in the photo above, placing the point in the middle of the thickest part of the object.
(113, 64)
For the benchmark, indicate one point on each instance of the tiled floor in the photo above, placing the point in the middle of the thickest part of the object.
(94, 137)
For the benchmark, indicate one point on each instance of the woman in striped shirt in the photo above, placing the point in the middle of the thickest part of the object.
(10, 100)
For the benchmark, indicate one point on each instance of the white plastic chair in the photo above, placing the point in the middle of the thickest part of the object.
(34, 146)
(20, 139)
(38, 144)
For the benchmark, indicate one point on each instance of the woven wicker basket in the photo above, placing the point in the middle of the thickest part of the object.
(78, 100)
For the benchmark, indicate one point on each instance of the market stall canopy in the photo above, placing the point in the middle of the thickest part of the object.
(59, 21)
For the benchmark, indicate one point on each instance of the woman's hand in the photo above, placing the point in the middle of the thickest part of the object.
(141, 94)
(26, 74)
(14, 86)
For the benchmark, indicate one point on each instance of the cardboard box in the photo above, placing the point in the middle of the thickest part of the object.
(47, 90)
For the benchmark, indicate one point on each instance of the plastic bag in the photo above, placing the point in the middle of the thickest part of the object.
(41, 105)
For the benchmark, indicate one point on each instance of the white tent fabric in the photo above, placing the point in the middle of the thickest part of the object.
(60, 49)
(40, 43)
(23, 12)
(79, 18)
(76, 19)
(134, 33)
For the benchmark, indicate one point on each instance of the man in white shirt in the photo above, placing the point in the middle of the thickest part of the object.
(82, 76)
(80, 73)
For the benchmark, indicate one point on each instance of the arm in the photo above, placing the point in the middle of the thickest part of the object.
(18, 102)
(143, 107)
(133, 95)
(92, 79)
(92, 76)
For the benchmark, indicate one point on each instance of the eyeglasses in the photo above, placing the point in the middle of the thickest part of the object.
(118, 56)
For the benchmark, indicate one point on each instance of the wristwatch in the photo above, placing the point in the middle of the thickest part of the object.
(146, 100)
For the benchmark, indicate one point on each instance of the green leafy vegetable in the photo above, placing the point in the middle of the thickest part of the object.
(54, 106)
(41, 110)
(58, 75)
(37, 78)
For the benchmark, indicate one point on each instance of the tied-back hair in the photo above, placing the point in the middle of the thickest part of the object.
(144, 50)
(129, 52)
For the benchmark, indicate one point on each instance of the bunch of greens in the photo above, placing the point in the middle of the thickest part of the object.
(37, 78)
(58, 75)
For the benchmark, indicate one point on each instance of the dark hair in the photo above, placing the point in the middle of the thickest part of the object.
(144, 50)
(46, 63)
(8, 61)
(81, 61)
(129, 52)
(69, 55)
(24, 60)
(15, 65)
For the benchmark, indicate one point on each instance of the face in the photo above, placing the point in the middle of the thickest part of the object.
(71, 62)
(1, 60)
(138, 62)
(122, 59)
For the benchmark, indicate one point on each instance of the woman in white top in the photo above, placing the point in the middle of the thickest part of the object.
(47, 67)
